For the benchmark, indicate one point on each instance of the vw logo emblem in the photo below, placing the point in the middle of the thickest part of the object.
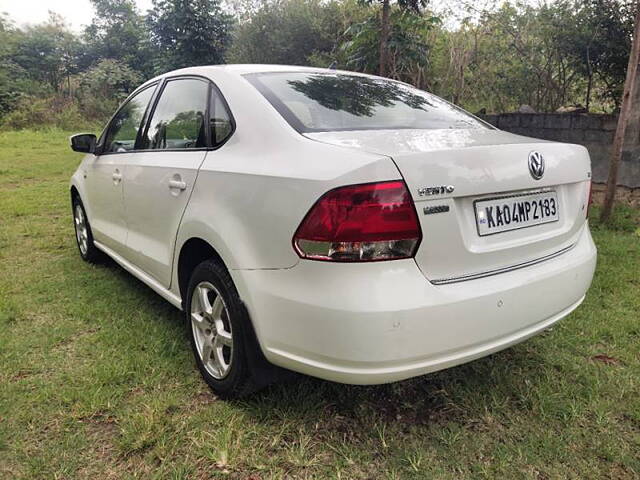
(536, 165)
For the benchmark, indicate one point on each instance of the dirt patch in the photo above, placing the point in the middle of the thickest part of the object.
(606, 359)
(65, 343)
(101, 460)
(21, 375)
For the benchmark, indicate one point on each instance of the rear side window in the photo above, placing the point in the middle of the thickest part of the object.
(123, 130)
(177, 121)
(220, 121)
(319, 102)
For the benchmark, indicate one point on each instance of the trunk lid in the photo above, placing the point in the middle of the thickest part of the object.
(480, 165)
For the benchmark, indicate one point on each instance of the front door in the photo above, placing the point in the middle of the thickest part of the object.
(103, 179)
(159, 179)
(104, 176)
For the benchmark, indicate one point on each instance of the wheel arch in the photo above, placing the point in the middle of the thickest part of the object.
(193, 251)
(73, 192)
(196, 250)
(76, 190)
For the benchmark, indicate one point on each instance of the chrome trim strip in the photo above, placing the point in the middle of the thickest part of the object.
(489, 273)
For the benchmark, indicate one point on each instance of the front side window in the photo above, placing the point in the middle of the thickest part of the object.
(318, 102)
(123, 130)
(178, 119)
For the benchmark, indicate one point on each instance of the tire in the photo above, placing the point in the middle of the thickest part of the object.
(84, 238)
(221, 334)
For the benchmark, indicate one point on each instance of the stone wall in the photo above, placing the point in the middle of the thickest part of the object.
(624, 195)
(594, 131)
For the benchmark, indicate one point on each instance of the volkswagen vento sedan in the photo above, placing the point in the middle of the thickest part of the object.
(341, 225)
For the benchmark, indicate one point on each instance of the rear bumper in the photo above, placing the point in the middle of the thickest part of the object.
(381, 322)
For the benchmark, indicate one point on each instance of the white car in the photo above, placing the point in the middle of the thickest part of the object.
(341, 225)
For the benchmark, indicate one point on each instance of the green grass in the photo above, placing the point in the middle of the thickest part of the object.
(97, 379)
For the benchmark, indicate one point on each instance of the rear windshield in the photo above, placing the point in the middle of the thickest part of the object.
(320, 102)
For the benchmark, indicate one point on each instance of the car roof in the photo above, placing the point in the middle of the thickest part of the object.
(243, 69)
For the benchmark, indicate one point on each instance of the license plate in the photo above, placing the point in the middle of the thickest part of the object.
(498, 215)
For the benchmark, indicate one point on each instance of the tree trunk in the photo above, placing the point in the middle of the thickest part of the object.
(588, 99)
(623, 121)
(589, 80)
(384, 39)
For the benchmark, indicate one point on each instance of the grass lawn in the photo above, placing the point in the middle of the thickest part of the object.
(97, 379)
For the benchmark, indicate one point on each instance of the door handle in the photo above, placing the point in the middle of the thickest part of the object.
(117, 176)
(179, 184)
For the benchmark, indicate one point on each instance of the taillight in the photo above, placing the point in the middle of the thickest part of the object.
(360, 223)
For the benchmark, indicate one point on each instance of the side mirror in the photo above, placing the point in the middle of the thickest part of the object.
(83, 142)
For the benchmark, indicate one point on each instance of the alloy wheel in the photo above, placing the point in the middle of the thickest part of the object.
(82, 233)
(212, 330)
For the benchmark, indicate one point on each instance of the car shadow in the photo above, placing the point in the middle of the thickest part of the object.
(440, 397)
(453, 394)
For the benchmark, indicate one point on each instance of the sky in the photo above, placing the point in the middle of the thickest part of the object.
(76, 12)
(79, 13)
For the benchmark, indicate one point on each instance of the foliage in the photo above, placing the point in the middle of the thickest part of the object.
(293, 32)
(596, 37)
(188, 32)
(384, 33)
(118, 32)
(96, 94)
(10, 73)
(497, 58)
(54, 111)
(47, 52)
(104, 86)
(502, 62)
(409, 45)
(110, 78)
(520, 54)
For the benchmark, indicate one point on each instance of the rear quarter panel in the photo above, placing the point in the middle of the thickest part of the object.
(248, 202)
(252, 193)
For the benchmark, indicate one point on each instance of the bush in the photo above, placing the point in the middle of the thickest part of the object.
(40, 113)
(103, 87)
(89, 101)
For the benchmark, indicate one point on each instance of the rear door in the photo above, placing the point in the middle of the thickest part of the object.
(105, 174)
(160, 177)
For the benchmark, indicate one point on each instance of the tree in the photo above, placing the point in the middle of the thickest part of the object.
(408, 50)
(47, 52)
(188, 32)
(385, 27)
(503, 58)
(119, 32)
(104, 86)
(11, 75)
(596, 38)
(294, 32)
(614, 20)
(630, 86)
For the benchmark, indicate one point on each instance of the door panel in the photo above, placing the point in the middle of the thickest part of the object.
(159, 180)
(104, 176)
(158, 186)
(105, 200)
